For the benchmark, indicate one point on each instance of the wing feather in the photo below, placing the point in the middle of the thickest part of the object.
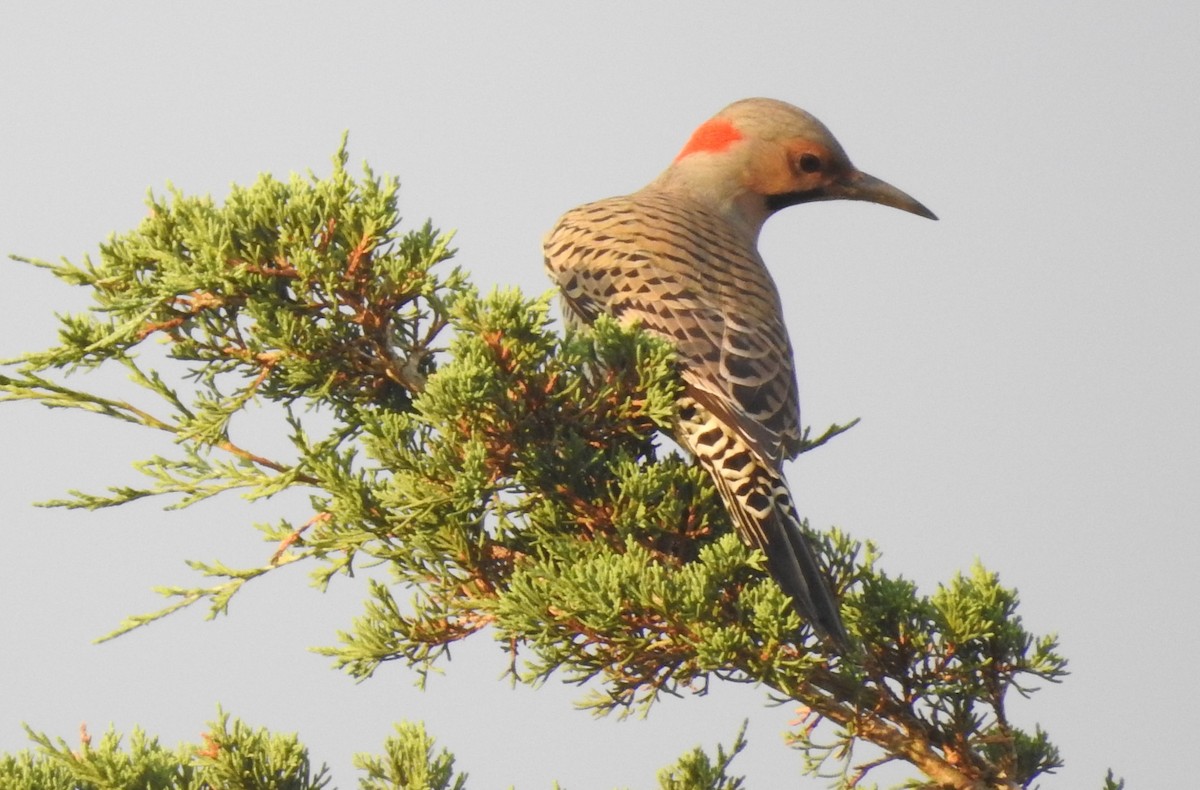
(687, 275)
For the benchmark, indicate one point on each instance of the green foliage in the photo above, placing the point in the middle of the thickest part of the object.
(238, 757)
(505, 477)
(696, 771)
(408, 763)
(231, 755)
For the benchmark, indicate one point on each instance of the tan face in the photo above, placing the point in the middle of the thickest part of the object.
(794, 166)
(803, 170)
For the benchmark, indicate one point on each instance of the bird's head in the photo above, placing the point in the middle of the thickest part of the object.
(757, 156)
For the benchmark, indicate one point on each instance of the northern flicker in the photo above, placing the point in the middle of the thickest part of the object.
(680, 258)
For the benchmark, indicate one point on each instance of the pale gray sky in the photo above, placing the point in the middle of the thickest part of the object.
(1026, 369)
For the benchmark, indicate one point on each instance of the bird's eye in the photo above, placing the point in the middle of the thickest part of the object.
(809, 163)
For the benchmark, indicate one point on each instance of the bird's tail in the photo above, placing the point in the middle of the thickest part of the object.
(793, 563)
(761, 506)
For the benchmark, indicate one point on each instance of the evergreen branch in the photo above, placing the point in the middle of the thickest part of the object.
(697, 771)
(218, 595)
(28, 386)
(830, 432)
(229, 753)
(509, 478)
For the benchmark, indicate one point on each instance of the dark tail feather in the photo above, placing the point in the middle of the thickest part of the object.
(760, 505)
(793, 563)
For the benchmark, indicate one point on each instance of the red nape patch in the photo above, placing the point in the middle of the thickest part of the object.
(713, 136)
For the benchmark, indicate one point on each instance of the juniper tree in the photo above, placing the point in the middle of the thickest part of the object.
(512, 481)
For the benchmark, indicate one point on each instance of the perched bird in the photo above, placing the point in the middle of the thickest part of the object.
(680, 258)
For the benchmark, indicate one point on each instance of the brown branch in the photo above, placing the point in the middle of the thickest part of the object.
(861, 770)
(361, 251)
(326, 235)
(282, 268)
(894, 731)
(159, 326)
(291, 539)
(233, 449)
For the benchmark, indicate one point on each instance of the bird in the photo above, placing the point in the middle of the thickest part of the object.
(680, 259)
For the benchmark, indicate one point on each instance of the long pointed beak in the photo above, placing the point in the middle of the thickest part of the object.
(857, 185)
